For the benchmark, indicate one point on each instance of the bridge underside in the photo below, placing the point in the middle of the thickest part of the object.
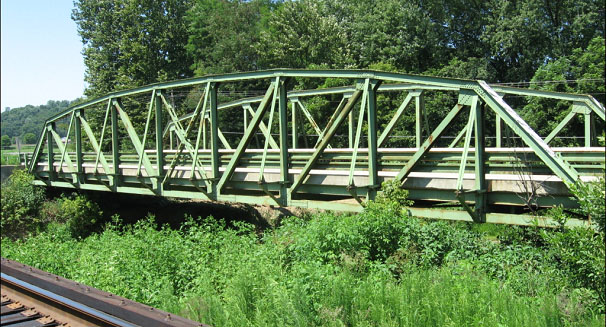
(459, 148)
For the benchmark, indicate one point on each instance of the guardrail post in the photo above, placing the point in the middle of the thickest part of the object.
(78, 135)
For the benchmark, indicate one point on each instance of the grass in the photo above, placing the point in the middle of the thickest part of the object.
(311, 272)
(9, 155)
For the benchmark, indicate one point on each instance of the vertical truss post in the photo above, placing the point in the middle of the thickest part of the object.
(159, 145)
(372, 140)
(588, 129)
(115, 147)
(294, 128)
(498, 131)
(78, 136)
(214, 138)
(351, 130)
(51, 157)
(203, 124)
(284, 146)
(419, 115)
(480, 200)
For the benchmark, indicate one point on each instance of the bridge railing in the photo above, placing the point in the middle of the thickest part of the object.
(203, 138)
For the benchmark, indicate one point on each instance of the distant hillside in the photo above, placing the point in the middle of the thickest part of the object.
(30, 119)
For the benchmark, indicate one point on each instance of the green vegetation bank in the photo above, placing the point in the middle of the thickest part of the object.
(380, 267)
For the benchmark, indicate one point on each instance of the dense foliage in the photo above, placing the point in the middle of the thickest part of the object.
(20, 204)
(380, 267)
(30, 119)
(544, 44)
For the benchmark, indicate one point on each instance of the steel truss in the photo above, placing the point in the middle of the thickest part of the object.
(191, 157)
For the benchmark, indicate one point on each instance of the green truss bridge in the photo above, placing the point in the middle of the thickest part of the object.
(327, 139)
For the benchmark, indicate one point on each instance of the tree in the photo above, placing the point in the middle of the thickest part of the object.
(29, 138)
(129, 43)
(581, 72)
(300, 34)
(223, 34)
(6, 141)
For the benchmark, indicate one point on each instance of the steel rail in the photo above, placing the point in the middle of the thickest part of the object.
(102, 317)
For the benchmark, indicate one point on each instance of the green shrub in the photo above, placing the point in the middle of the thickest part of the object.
(6, 141)
(393, 195)
(591, 196)
(21, 201)
(80, 214)
(29, 138)
(579, 256)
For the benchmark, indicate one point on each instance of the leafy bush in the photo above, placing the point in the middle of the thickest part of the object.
(80, 214)
(393, 195)
(579, 256)
(29, 138)
(591, 196)
(21, 201)
(6, 141)
(230, 277)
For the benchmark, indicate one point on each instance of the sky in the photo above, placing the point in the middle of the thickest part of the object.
(41, 53)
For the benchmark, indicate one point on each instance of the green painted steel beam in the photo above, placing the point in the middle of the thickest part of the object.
(480, 184)
(372, 139)
(520, 127)
(429, 142)
(96, 146)
(244, 142)
(78, 139)
(399, 112)
(438, 82)
(325, 141)
(560, 126)
(139, 147)
(264, 129)
(284, 145)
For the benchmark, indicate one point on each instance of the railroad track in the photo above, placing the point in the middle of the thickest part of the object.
(35, 298)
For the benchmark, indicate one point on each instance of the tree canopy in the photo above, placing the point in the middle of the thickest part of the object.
(129, 43)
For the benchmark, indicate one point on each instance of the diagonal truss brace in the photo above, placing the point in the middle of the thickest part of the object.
(568, 174)
(343, 114)
(134, 138)
(182, 135)
(244, 142)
